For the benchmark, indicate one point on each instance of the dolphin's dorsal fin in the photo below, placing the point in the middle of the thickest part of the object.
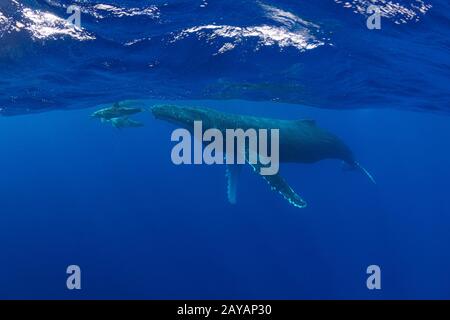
(311, 122)
(115, 105)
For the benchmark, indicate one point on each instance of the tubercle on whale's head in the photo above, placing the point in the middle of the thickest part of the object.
(180, 115)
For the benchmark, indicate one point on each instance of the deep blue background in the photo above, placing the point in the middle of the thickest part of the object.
(76, 191)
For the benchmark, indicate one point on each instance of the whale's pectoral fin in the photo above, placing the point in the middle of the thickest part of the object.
(278, 184)
(232, 178)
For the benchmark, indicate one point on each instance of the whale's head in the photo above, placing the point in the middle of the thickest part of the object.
(181, 115)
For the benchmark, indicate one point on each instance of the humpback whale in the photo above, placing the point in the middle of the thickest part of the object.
(300, 141)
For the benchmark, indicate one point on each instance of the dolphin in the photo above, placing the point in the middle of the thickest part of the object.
(117, 110)
(300, 141)
(125, 122)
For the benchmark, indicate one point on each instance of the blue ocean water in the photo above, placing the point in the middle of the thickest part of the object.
(74, 190)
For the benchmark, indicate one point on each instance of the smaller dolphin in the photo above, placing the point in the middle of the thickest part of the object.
(125, 122)
(117, 110)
